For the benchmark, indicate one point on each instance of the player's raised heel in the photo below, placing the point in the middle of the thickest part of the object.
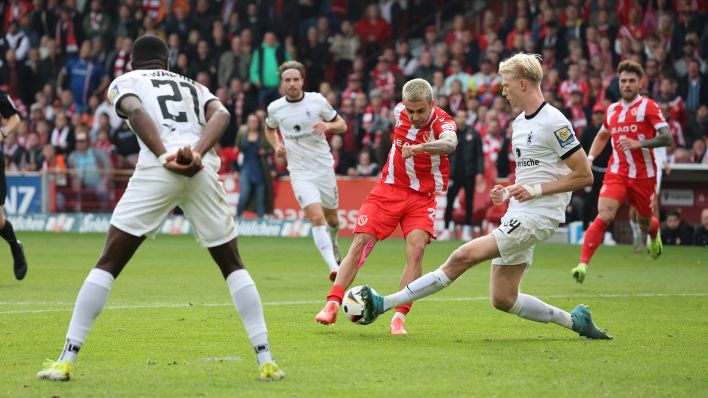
(56, 371)
(271, 372)
(18, 255)
(584, 326)
(579, 272)
(655, 246)
(328, 314)
(373, 304)
(398, 326)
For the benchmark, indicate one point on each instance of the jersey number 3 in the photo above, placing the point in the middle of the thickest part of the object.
(176, 96)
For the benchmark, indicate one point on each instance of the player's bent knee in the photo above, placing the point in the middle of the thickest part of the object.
(503, 302)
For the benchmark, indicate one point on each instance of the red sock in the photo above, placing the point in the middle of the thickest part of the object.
(336, 293)
(654, 228)
(593, 239)
(403, 309)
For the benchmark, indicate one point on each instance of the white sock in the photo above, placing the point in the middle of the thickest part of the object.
(531, 308)
(424, 286)
(636, 230)
(89, 303)
(324, 245)
(248, 305)
(333, 234)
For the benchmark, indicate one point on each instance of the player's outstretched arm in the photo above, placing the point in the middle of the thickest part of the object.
(272, 137)
(444, 145)
(598, 143)
(142, 124)
(217, 120)
(337, 126)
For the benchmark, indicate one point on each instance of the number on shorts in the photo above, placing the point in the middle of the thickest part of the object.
(431, 214)
(511, 225)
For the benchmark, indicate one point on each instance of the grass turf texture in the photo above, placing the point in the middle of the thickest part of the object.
(170, 329)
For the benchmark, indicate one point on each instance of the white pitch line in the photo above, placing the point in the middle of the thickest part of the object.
(308, 302)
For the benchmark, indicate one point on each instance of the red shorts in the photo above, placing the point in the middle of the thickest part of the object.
(386, 206)
(639, 191)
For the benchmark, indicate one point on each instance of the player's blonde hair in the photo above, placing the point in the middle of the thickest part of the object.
(523, 66)
(416, 90)
(291, 65)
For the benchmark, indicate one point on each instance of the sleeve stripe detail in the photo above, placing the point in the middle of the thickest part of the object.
(334, 118)
(121, 98)
(206, 104)
(570, 152)
(660, 125)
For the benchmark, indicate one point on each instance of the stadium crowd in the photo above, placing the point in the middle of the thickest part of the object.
(59, 56)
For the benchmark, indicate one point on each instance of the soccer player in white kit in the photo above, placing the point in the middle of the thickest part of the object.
(174, 117)
(550, 164)
(303, 118)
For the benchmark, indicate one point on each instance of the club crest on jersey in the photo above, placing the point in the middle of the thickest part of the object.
(112, 94)
(564, 136)
(362, 220)
(528, 139)
(633, 111)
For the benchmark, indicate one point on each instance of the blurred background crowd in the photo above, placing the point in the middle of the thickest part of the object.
(59, 56)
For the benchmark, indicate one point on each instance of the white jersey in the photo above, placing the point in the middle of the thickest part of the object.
(307, 152)
(176, 103)
(541, 142)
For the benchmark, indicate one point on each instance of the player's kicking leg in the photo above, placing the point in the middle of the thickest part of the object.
(119, 248)
(416, 242)
(359, 250)
(248, 305)
(321, 236)
(606, 211)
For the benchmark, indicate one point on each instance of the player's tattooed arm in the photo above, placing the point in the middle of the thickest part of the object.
(217, 120)
(663, 138)
(444, 145)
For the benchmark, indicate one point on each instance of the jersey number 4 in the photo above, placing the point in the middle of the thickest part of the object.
(176, 96)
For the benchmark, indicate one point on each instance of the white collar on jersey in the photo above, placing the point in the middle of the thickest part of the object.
(634, 101)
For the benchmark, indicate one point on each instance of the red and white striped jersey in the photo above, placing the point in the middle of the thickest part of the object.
(424, 172)
(637, 120)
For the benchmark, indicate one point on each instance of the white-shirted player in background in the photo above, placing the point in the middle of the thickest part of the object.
(303, 118)
(550, 164)
(173, 116)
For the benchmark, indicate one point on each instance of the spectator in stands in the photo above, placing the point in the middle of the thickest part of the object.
(466, 172)
(49, 63)
(675, 231)
(119, 60)
(204, 62)
(91, 167)
(344, 49)
(18, 78)
(66, 33)
(127, 147)
(694, 87)
(264, 68)
(700, 237)
(485, 84)
(13, 152)
(690, 46)
(84, 76)
(314, 55)
(233, 64)
(457, 73)
(697, 129)
(62, 136)
(698, 152)
(374, 32)
(456, 99)
(426, 68)
(407, 63)
(364, 166)
(97, 23)
(18, 41)
(255, 183)
(32, 155)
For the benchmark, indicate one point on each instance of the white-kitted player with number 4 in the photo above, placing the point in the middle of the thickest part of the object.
(303, 118)
(177, 122)
(549, 165)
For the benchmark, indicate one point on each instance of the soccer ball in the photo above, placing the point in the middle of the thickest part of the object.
(353, 306)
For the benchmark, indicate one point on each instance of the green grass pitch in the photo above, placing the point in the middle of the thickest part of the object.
(170, 330)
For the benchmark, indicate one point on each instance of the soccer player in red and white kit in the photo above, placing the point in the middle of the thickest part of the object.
(635, 125)
(417, 167)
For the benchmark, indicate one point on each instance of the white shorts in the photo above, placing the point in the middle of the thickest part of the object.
(320, 189)
(154, 191)
(517, 236)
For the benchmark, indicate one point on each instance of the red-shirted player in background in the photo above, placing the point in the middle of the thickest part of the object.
(417, 167)
(635, 125)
